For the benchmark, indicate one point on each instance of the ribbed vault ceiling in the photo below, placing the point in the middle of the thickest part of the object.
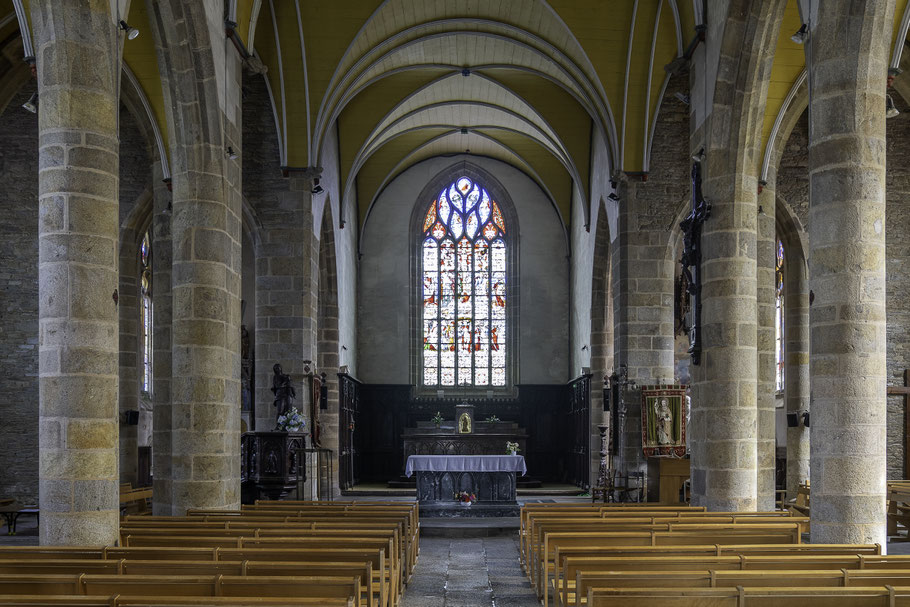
(524, 81)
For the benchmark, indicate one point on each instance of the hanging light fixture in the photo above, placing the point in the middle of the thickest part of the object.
(231, 153)
(699, 156)
(131, 32)
(317, 189)
(32, 103)
(800, 36)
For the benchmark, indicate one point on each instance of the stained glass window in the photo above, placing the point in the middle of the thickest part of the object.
(463, 255)
(779, 315)
(145, 310)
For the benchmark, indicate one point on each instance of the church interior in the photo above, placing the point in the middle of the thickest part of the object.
(454, 302)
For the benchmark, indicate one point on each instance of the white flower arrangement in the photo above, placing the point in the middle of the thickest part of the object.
(292, 421)
(512, 448)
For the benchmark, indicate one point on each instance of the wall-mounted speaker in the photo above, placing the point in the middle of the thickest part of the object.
(792, 420)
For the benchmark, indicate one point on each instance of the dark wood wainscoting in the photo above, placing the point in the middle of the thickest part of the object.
(553, 415)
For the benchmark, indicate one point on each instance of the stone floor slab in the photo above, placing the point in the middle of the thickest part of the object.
(469, 572)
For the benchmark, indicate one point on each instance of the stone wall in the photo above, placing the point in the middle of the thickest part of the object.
(385, 291)
(793, 187)
(591, 319)
(19, 286)
(278, 228)
(644, 267)
(897, 268)
(793, 174)
(19, 300)
(135, 212)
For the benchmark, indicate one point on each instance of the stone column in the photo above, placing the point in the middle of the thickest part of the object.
(76, 52)
(796, 352)
(725, 465)
(205, 389)
(162, 303)
(766, 291)
(205, 122)
(848, 69)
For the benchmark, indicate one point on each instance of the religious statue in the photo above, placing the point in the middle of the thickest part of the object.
(244, 343)
(664, 417)
(663, 420)
(284, 392)
(464, 424)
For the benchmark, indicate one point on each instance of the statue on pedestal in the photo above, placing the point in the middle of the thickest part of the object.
(284, 392)
(664, 418)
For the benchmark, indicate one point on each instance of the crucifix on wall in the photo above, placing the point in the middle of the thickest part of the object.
(691, 259)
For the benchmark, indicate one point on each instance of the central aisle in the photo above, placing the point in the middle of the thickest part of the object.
(475, 572)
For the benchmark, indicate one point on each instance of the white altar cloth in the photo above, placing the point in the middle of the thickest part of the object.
(465, 463)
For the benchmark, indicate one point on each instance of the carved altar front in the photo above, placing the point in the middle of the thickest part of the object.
(270, 464)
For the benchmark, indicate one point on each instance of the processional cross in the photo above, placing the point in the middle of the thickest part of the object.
(691, 259)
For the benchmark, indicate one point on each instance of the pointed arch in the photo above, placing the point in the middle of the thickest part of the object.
(465, 271)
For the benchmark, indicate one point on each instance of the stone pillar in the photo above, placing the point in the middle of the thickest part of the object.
(796, 352)
(205, 389)
(162, 303)
(76, 52)
(643, 309)
(766, 293)
(848, 69)
(725, 465)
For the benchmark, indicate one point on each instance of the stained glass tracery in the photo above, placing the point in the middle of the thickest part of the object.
(464, 288)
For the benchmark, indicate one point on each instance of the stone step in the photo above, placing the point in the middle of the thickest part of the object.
(464, 527)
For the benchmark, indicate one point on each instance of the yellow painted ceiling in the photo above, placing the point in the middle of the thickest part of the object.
(789, 64)
(540, 77)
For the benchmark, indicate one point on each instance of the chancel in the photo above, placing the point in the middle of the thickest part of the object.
(572, 289)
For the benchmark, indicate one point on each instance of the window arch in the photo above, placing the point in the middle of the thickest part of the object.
(463, 254)
(145, 310)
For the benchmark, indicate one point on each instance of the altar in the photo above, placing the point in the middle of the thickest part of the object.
(492, 478)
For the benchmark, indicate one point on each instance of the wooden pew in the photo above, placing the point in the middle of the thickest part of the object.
(109, 559)
(219, 601)
(183, 585)
(537, 528)
(572, 568)
(135, 500)
(749, 556)
(391, 573)
(407, 514)
(744, 596)
(269, 526)
(667, 514)
(732, 579)
(543, 557)
(177, 567)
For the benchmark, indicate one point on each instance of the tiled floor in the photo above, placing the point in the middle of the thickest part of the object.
(481, 572)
